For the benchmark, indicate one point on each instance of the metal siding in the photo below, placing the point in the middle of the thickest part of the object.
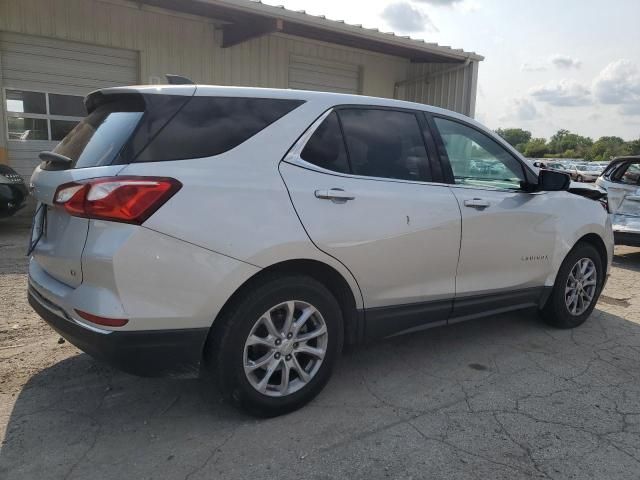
(58, 66)
(308, 73)
(453, 90)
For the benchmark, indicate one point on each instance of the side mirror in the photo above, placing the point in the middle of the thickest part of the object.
(552, 181)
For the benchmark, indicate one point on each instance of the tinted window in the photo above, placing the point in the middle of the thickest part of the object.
(61, 128)
(97, 139)
(208, 126)
(21, 101)
(631, 174)
(476, 159)
(68, 105)
(21, 128)
(385, 143)
(326, 148)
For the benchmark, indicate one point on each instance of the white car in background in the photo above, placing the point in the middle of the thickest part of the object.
(621, 180)
(256, 231)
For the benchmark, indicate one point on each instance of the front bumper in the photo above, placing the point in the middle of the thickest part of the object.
(145, 353)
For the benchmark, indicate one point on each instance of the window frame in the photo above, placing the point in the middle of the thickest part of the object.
(621, 170)
(294, 154)
(529, 175)
(41, 116)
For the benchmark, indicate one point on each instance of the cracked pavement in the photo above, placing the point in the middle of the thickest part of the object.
(504, 397)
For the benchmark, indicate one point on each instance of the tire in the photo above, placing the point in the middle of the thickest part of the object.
(557, 311)
(227, 353)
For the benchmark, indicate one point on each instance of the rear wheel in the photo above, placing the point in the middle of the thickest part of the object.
(275, 348)
(577, 288)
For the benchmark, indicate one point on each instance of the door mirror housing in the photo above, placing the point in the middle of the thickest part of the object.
(553, 181)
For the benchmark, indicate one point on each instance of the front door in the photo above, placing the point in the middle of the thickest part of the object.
(508, 235)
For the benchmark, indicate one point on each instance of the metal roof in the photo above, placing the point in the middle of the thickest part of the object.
(302, 24)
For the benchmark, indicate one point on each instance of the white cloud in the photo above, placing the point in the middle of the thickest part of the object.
(405, 18)
(565, 93)
(565, 62)
(619, 84)
(440, 3)
(520, 109)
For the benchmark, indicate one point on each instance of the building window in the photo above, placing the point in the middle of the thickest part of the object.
(42, 115)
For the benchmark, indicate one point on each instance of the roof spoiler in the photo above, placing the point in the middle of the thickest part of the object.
(178, 80)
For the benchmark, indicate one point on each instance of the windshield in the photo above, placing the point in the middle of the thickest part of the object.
(97, 139)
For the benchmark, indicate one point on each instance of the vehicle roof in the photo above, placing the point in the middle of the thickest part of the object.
(281, 93)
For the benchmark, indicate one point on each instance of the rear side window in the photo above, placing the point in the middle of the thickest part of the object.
(208, 126)
(326, 148)
(385, 143)
(99, 137)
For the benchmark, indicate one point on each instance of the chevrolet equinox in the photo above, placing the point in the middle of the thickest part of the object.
(255, 232)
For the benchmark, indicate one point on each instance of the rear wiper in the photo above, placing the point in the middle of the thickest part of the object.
(55, 159)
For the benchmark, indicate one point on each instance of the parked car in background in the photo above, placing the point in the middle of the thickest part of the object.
(584, 172)
(621, 180)
(258, 230)
(13, 191)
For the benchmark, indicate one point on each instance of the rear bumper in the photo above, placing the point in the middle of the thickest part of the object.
(145, 353)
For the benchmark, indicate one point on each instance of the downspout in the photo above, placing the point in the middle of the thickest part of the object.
(428, 76)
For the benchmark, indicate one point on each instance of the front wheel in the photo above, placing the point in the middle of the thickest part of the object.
(576, 289)
(275, 348)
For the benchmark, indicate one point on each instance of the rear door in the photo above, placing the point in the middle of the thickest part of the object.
(368, 199)
(508, 235)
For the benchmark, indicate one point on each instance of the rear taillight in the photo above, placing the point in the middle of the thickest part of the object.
(118, 199)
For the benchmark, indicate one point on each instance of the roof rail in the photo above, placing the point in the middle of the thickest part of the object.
(178, 80)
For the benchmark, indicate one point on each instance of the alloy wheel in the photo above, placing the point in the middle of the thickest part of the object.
(581, 286)
(285, 348)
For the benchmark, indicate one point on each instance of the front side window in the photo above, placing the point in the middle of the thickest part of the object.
(385, 143)
(476, 159)
(630, 175)
(42, 115)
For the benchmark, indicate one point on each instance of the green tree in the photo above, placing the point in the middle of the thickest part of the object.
(605, 148)
(564, 140)
(536, 148)
(514, 136)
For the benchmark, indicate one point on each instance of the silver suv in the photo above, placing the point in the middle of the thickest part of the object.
(255, 232)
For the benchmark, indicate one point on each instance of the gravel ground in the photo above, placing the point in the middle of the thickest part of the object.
(505, 397)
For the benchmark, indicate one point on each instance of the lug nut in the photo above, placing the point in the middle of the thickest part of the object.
(287, 358)
(295, 345)
(278, 341)
(276, 356)
(289, 335)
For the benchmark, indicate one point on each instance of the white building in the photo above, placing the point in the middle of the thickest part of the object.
(53, 52)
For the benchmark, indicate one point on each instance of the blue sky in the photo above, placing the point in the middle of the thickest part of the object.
(549, 64)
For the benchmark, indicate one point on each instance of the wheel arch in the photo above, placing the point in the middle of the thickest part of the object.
(598, 243)
(333, 280)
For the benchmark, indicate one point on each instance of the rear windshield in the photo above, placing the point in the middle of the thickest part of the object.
(98, 139)
(158, 128)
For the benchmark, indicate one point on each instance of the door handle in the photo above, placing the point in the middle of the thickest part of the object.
(477, 203)
(336, 195)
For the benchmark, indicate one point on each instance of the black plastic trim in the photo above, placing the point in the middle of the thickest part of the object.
(383, 322)
(627, 238)
(144, 353)
(386, 321)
